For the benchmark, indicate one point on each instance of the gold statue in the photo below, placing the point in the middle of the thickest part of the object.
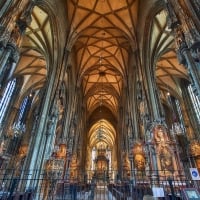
(139, 156)
(160, 134)
(195, 148)
(139, 162)
(166, 163)
(74, 167)
(61, 153)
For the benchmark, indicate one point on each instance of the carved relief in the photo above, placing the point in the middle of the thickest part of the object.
(160, 134)
(74, 167)
(2, 147)
(19, 159)
(4, 36)
(166, 159)
(165, 155)
(139, 156)
(61, 153)
(23, 149)
(195, 148)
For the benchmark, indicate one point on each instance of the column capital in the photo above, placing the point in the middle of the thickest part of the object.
(4, 36)
(14, 56)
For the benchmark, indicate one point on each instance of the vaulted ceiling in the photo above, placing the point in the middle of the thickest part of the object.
(106, 35)
(103, 36)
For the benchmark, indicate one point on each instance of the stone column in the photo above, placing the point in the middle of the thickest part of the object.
(155, 115)
(37, 145)
(193, 122)
(12, 27)
(187, 40)
(8, 61)
(191, 66)
(5, 5)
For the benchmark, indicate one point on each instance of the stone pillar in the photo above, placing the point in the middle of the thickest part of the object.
(12, 27)
(38, 143)
(8, 60)
(4, 58)
(4, 6)
(139, 156)
(192, 120)
(191, 66)
(156, 114)
(187, 40)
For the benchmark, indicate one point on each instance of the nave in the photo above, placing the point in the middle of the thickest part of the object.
(96, 91)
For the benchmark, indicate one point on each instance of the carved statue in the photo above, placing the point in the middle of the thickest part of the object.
(22, 151)
(2, 147)
(166, 160)
(74, 167)
(139, 156)
(139, 162)
(19, 159)
(61, 153)
(160, 134)
(195, 148)
(164, 151)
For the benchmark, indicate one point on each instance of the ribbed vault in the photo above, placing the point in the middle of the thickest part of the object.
(106, 35)
(36, 47)
(102, 34)
(162, 46)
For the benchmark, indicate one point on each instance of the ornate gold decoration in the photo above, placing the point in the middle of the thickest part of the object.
(166, 159)
(195, 148)
(54, 168)
(197, 160)
(74, 167)
(61, 153)
(164, 151)
(160, 134)
(23, 149)
(139, 156)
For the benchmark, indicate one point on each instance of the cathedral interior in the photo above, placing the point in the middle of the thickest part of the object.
(98, 93)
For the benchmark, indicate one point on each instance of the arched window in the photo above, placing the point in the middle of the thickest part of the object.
(19, 125)
(4, 102)
(195, 102)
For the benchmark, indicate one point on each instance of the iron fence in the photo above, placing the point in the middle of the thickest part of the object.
(110, 185)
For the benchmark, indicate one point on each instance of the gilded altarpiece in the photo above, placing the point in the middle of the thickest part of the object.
(165, 152)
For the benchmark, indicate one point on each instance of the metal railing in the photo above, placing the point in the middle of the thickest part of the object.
(88, 185)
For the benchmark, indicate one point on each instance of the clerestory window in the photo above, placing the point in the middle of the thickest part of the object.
(7, 95)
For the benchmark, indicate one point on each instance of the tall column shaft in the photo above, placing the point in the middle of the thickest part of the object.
(187, 39)
(193, 122)
(192, 68)
(3, 60)
(38, 143)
